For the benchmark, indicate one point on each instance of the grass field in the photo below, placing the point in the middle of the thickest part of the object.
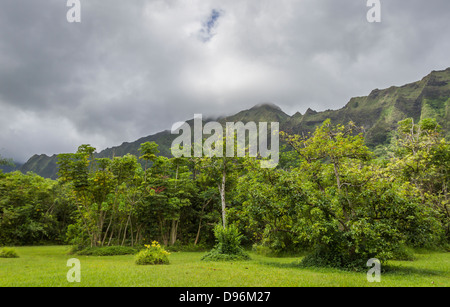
(47, 267)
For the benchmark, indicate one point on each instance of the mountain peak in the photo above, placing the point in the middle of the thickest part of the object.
(263, 112)
(266, 105)
(310, 112)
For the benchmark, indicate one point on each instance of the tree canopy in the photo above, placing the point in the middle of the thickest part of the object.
(330, 195)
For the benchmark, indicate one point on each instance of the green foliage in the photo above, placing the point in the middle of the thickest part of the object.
(106, 193)
(332, 256)
(104, 251)
(33, 210)
(404, 253)
(7, 252)
(149, 151)
(422, 158)
(189, 247)
(269, 199)
(77, 235)
(169, 191)
(152, 254)
(7, 162)
(339, 202)
(269, 250)
(329, 196)
(228, 245)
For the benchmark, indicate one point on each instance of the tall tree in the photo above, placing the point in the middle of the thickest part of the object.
(422, 157)
(149, 151)
(222, 167)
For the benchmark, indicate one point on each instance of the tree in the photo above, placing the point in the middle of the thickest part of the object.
(149, 151)
(330, 145)
(207, 195)
(126, 199)
(94, 191)
(337, 200)
(222, 170)
(33, 210)
(270, 201)
(4, 161)
(170, 188)
(422, 157)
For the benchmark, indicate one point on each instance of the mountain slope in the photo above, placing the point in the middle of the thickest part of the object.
(378, 113)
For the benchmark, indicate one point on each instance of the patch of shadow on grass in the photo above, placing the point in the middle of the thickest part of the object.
(285, 265)
(385, 269)
(297, 265)
(389, 269)
(401, 270)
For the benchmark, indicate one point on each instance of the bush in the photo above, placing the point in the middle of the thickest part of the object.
(8, 253)
(337, 256)
(324, 256)
(76, 235)
(104, 251)
(402, 252)
(178, 247)
(228, 245)
(152, 254)
(268, 251)
(263, 250)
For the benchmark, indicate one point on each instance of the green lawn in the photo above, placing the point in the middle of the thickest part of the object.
(47, 266)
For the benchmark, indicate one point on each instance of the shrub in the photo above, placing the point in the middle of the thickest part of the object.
(104, 251)
(152, 254)
(74, 249)
(268, 251)
(402, 252)
(325, 256)
(77, 235)
(228, 245)
(8, 253)
(178, 247)
(263, 250)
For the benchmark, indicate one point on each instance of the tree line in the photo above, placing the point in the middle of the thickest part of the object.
(330, 194)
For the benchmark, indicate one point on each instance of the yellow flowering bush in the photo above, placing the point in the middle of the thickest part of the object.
(152, 254)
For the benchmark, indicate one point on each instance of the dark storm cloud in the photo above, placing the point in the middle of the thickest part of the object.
(132, 68)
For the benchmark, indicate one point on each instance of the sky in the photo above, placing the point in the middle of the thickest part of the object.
(133, 68)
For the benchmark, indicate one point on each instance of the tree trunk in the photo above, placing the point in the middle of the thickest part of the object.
(107, 230)
(222, 197)
(173, 232)
(138, 235)
(200, 222)
(164, 236)
(125, 231)
(198, 232)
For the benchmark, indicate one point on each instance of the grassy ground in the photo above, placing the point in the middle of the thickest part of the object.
(47, 266)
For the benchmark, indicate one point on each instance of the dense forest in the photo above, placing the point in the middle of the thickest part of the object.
(330, 195)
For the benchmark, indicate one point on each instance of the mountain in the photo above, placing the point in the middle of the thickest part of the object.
(378, 113)
(265, 112)
(42, 165)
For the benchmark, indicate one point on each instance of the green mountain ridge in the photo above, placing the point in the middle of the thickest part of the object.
(378, 113)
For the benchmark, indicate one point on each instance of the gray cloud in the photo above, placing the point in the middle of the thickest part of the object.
(132, 68)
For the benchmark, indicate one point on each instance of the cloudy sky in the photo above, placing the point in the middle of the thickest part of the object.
(133, 68)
